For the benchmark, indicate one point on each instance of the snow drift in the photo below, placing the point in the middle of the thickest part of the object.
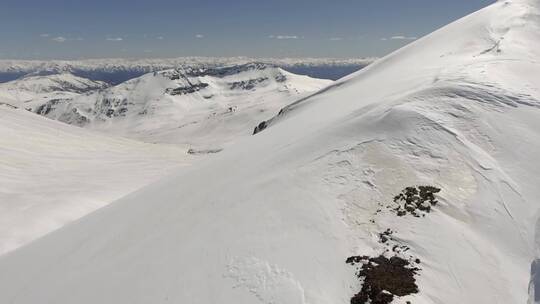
(273, 218)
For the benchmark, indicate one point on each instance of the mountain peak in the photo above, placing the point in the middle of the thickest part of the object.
(173, 104)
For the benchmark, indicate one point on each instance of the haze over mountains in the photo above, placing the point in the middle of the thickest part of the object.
(414, 180)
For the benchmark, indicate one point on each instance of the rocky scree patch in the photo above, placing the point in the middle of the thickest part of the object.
(393, 272)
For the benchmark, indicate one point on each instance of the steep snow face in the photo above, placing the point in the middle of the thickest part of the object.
(52, 173)
(273, 218)
(196, 106)
(33, 91)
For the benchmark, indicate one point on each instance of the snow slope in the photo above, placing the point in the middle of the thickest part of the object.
(273, 218)
(33, 91)
(203, 107)
(52, 173)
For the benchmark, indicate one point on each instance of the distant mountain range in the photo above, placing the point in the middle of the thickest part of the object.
(115, 71)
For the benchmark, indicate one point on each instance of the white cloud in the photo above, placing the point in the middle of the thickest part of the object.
(199, 36)
(283, 37)
(45, 35)
(59, 39)
(401, 37)
(336, 39)
(115, 38)
(160, 37)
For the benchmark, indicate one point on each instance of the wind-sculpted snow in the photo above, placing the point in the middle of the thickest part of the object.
(274, 217)
(268, 283)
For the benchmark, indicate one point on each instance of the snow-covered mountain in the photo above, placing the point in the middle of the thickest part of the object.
(52, 173)
(414, 180)
(194, 106)
(212, 106)
(32, 91)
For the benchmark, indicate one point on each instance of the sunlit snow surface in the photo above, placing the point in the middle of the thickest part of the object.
(53, 173)
(272, 218)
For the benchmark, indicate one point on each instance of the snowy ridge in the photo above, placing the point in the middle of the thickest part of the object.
(57, 82)
(467, 56)
(32, 91)
(273, 218)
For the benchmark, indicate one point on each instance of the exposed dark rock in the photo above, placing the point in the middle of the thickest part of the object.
(280, 78)
(415, 200)
(383, 278)
(112, 107)
(385, 236)
(205, 151)
(247, 84)
(356, 259)
(192, 88)
(47, 107)
(260, 127)
(225, 71)
(8, 105)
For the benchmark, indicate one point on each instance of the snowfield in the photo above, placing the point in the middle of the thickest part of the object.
(53, 173)
(273, 218)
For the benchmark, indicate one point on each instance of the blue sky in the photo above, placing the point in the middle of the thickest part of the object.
(44, 29)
